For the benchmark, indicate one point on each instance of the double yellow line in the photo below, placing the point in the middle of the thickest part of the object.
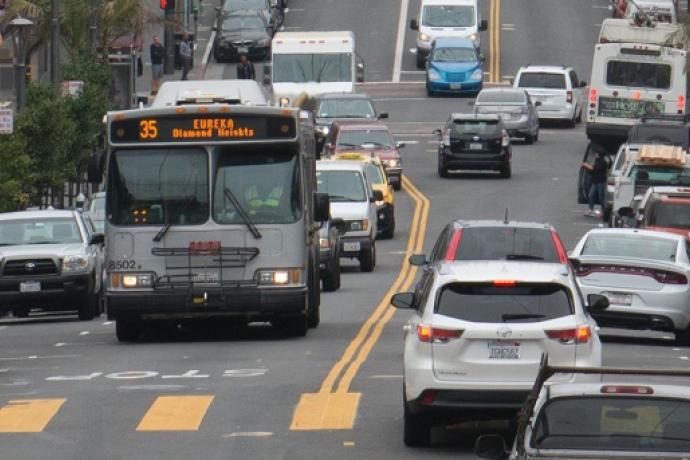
(495, 41)
(334, 407)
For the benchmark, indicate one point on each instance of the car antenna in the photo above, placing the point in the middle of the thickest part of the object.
(505, 218)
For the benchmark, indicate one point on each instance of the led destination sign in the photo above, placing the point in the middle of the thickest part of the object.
(201, 128)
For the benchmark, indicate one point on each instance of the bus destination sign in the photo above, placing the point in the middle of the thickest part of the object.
(201, 128)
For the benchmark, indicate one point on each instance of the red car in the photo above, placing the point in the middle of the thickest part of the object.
(368, 137)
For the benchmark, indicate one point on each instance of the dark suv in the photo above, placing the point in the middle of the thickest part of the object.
(475, 142)
(661, 129)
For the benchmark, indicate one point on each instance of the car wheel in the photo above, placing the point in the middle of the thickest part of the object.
(295, 326)
(529, 139)
(579, 116)
(417, 429)
(506, 171)
(314, 317)
(397, 185)
(536, 135)
(442, 170)
(127, 331)
(430, 93)
(572, 122)
(421, 61)
(88, 308)
(21, 312)
(331, 282)
(683, 337)
(388, 234)
(367, 260)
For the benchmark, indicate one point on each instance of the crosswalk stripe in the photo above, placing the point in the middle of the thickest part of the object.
(175, 413)
(28, 415)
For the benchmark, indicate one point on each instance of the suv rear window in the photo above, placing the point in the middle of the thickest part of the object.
(465, 127)
(486, 303)
(502, 97)
(512, 243)
(542, 80)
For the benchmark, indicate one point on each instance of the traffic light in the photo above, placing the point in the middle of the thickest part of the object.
(167, 4)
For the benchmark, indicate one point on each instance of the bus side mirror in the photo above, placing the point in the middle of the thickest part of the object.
(98, 238)
(484, 25)
(95, 167)
(418, 260)
(403, 300)
(414, 25)
(360, 72)
(322, 207)
(267, 74)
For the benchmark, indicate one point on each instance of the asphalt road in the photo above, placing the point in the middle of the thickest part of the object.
(69, 390)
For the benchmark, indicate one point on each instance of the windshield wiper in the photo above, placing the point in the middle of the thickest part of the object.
(243, 214)
(522, 257)
(161, 233)
(341, 198)
(345, 144)
(519, 316)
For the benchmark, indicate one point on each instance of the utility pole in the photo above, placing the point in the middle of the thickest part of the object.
(92, 26)
(169, 38)
(55, 42)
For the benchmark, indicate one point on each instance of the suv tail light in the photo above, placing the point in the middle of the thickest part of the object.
(680, 103)
(593, 95)
(452, 250)
(580, 334)
(569, 97)
(430, 334)
(560, 248)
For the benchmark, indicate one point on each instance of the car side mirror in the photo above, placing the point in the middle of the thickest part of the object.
(583, 83)
(376, 195)
(382, 115)
(418, 260)
(484, 25)
(537, 104)
(339, 224)
(437, 131)
(267, 74)
(360, 72)
(491, 446)
(597, 303)
(626, 211)
(400, 145)
(414, 25)
(98, 238)
(95, 167)
(482, 58)
(322, 207)
(403, 300)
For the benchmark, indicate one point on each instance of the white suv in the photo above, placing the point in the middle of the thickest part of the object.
(557, 88)
(473, 346)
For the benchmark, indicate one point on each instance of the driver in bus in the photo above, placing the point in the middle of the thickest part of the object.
(262, 195)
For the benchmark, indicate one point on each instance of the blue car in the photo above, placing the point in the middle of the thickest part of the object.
(454, 66)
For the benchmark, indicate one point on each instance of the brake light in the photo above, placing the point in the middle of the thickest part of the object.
(503, 283)
(560, 249)
(593, 94)
(429, 334)
(569, 97)
(665, 277)
(637, 95)
(452, 250)
(627, 389)
(681, 102)
(428, 397)
(580, 334)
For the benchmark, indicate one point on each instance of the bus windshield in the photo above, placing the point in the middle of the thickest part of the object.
(264, 183)
(300, 68)
(158, 186)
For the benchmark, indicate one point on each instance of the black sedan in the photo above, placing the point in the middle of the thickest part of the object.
(240, 32)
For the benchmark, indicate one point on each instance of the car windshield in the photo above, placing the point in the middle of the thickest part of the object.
(454, 55)
(463, 127)
(638, 74)
(364, 138)
(448, 16)
(674, 215)
(341, 185)
(622, 423)
(486, 303)
(501, 98)
(243, 23)
(158, 187)
(630, 245)
(39, 231)
(500, 243)
(542, 80)
(300, 68)
(234, 5)
(374, 174)
(346, 108)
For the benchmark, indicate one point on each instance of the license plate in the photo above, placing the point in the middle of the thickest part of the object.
(350, 247)
(504, 350)
(242, 49)
(30, 286)
(619, 299)
(455, 85)
(476, 145)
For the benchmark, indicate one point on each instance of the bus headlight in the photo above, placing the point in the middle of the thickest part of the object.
(282, 277)
(132, 280)
(75, 264)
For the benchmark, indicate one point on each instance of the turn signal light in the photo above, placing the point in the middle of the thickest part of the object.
(581, 334)
(428, 334)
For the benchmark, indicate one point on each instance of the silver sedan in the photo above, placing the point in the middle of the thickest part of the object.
(516, 109)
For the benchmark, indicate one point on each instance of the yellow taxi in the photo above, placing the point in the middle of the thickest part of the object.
(376, 174)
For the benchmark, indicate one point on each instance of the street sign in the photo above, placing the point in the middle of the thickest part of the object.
(72, 87)
(6, 121)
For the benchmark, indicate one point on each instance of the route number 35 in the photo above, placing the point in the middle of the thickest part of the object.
(122, 265)
(148, 129)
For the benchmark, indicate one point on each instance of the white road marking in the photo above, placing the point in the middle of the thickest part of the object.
(132, 375)
(400, 40)
(348, 444)
(507, 28)
(21, 358)
(107, 323)
(60, 344)
(248, 434)
(412, 142)
(289, 10)
(60, 378)
(675, 349)
(684, 358)
(191, 374)
(244, 372)
(84, 333)
(413, 50)
(151, 387)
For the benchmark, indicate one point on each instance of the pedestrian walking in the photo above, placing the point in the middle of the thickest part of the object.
(245, 69)
(157, 57)
(597, 191)
(186, 55)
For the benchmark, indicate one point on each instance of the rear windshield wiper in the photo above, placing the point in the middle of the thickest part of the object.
(518, 316)
(243, 214)
(522, 257)
(161, 233)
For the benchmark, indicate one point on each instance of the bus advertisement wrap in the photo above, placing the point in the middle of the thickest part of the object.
(628, 108)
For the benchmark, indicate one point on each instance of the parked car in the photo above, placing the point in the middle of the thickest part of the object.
(329, 253)
(353, 200)
(373, 138)
(664, 208)
(50, 259)
(475, 334)
(96, 211)
(474, 142)
(643, 273)
(557, 88)
(515, 108)
(601, 413)
(660, 128)
(242, 32)
(454, 66)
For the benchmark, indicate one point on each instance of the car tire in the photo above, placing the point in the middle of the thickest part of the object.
(572, 122)
(506, 171)
(579, 116)
(88, 308)
(295, 326)
(529, 139)
(421, 61)
(127, 330)
(416, 429)
(536, 135)
(21, 312)
(367, 260)
(397, 186)
(442, 171)
(331, 282)
(314, 317)
(388, 234)
(430, 93)
(683, 337)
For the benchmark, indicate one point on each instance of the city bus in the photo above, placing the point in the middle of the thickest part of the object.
(211, 212)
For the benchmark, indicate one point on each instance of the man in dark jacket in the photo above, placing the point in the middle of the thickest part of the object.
(245, 69)
(157, 57)
(597, 192)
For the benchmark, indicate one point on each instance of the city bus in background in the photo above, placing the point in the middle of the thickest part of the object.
(313, 63)
(636, 70)
(211, 212)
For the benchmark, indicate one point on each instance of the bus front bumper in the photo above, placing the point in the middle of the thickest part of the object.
(249, 302)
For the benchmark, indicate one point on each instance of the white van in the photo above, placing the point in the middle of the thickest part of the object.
(446, 18)
(242, 92)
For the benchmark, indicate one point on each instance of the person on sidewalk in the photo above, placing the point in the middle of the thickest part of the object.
(157, 57)
(186, 55)
(245, 69)
(597, 192)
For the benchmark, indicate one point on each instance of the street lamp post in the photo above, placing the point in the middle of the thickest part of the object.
(20, 28)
